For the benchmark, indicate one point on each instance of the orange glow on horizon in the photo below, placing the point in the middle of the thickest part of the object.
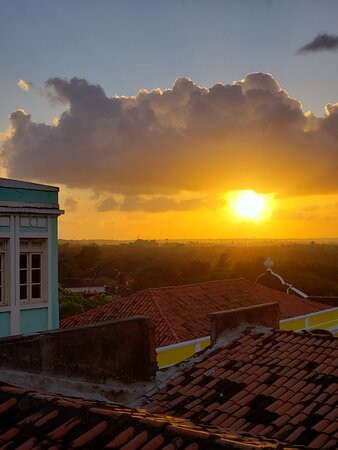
(311, 216)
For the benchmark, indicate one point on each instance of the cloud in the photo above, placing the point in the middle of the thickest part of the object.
(24, 85)
(155, 204)
(108, 204)
(322, 42)
(71, 203)
(161, 204)
(246, 135)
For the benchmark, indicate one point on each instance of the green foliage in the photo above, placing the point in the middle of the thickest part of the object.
(70, 308)
(71, 303)
(311, 267)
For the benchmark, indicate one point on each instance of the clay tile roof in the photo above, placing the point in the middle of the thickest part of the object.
(261, 381)
(33, 420)
(180, 312)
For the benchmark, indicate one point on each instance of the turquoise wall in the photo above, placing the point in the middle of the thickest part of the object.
(32, 320)
(28, 195)
(54, 270)
(5, 327)
(5, 228)
(34, 229)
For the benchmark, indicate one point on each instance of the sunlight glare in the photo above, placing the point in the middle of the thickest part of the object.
(249, 205)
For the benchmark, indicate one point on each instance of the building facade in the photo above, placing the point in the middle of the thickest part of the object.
(28, 257)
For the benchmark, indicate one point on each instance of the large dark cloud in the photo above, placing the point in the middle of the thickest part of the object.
(322, 42)
(245, 135)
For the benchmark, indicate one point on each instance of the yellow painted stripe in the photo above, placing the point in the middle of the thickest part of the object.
(297, 324)
(205, 344)
(325, 325)
(322, 318)
(175, 355)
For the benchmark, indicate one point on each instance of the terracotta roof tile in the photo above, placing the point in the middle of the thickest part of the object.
(36, 420)
(322, 425)
(64, 428)
(332, 400)
(332, 443)
(121, 438)
(180, 312)
(136, 442)
(7, 405)
(298, 410)
(155, 443)
(319, 441)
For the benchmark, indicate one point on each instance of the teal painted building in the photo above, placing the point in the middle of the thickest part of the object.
(28, 257)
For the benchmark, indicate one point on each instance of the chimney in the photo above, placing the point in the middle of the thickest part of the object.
(266, 314)
(121, 349)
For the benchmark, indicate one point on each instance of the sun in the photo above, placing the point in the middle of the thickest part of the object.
(248, 205)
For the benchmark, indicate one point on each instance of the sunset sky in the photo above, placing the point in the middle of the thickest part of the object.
(154, 116)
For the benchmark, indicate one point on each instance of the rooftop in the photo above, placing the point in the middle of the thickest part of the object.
(180, 312)
(266, 382)
(31, 419)
(255, 387)
(18, 184)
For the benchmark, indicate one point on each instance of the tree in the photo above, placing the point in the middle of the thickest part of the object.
(71, 303)
(89, 259)
(223, 261)
(196, 271)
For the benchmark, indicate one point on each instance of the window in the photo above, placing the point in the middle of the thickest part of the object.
(31, 271)
(2, 272)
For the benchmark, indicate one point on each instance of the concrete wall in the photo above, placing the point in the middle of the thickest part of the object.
(123, 349)
(266, 314)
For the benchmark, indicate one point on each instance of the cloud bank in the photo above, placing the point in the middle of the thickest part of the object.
(322, 42)
(155, 204)
(246, 135)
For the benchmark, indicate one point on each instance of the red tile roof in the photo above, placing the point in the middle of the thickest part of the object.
(35, 420)
(180, 312)
(271, 383)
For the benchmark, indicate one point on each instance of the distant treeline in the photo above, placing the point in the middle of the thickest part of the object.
(311, 267)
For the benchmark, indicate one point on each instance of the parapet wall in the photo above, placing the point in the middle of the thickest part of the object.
(266, 314)
(122, 349)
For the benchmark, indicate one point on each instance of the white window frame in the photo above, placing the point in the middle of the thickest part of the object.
(3, 272)
(31, 247)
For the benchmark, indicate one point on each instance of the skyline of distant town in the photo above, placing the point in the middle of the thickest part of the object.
(175, 120)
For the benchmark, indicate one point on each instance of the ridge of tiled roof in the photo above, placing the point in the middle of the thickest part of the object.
(164, 316)
(184, 308)
(272, 383)
(30, 419)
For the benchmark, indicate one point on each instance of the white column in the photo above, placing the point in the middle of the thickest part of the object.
(14, 296)
(49, 272)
